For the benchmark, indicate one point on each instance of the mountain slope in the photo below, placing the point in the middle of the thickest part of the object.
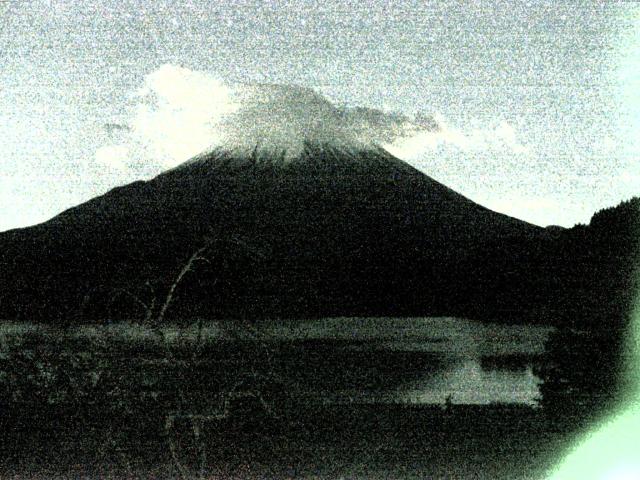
(332, 232)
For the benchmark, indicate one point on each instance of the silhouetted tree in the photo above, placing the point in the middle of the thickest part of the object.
(598, 278)
(582, 374)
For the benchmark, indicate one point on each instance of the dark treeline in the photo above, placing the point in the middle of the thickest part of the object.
(583, 277)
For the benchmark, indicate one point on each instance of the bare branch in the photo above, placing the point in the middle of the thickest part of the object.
(197, 256)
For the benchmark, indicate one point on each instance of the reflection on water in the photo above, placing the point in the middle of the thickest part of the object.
(434, 360)
(465, 381)
(460, 380)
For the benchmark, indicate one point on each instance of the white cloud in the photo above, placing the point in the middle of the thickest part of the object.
(502, 138)
(113, 156)
(179, 113)
(506, 135)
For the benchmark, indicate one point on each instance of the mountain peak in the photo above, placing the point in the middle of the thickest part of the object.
(312, 156)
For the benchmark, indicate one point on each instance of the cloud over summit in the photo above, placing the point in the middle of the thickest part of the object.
(179, 113)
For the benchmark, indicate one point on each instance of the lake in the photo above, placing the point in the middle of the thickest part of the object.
(348, 360)
(412, 360)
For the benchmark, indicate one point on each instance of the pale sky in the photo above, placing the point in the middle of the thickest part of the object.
(540, 100)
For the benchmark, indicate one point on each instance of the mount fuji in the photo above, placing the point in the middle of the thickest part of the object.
(332, 231)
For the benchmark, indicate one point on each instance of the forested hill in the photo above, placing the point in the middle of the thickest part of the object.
(585, 276)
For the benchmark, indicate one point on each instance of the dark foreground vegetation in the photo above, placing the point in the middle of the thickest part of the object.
(128, 402)
(358, 441)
